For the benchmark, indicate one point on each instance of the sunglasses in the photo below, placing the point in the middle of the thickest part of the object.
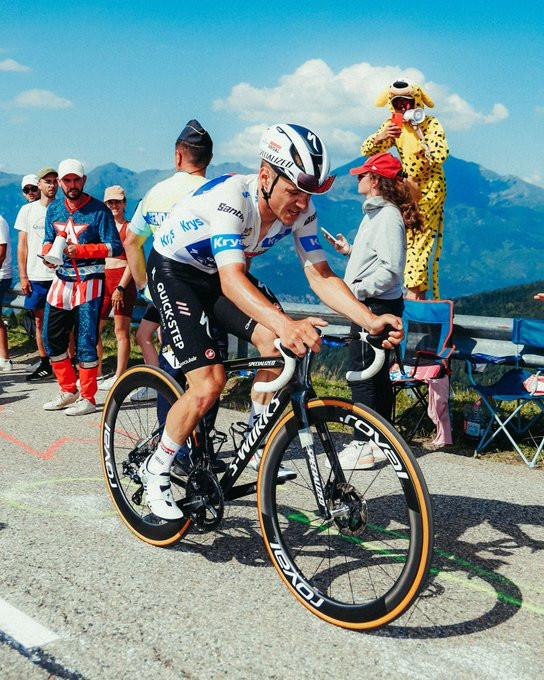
(402, 102)
(311, 185)
(28, 190)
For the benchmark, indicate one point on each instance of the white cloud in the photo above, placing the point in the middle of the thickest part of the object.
(40, 99)
(336, 104)
(12, 65)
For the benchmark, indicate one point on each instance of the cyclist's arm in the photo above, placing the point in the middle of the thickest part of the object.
(335, 294)
(295, 335)
(134, 249)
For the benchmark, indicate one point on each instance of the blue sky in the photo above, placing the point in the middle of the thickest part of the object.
(117, 81)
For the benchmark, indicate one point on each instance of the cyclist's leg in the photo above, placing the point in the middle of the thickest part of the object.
(182, 299)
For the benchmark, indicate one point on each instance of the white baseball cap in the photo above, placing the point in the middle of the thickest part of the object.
(71, 167)
(29, 179)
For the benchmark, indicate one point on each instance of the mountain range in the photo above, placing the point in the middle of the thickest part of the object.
(493, 234)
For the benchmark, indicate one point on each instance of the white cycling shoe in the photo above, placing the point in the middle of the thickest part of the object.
(358, 455)
(159, 493)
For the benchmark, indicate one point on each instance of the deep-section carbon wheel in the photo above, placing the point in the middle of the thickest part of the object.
(364, 566)
(131, 429)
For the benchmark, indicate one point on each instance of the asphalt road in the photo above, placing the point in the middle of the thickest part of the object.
(81, 597)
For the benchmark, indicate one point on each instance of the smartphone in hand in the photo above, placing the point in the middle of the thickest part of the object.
(330, 237)
(397, 119)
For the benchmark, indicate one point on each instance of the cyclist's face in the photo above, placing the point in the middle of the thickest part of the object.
(287, 202)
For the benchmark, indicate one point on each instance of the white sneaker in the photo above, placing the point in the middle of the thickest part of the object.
(107, 383)
(284, 473)
(63, 400)
(6, 365)
(81, 408)
(143, 394)
(159, 493)
(359, 455)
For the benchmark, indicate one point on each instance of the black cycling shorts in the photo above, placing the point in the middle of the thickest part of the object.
(190, 302)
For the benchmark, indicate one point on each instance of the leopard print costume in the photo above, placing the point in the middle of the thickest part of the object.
(425, 166)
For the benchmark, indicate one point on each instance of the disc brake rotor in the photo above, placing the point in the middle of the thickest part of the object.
(349, 510)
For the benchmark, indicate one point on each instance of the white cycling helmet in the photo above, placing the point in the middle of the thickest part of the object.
(298, 154)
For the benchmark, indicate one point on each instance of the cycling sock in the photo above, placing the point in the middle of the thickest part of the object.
(256, 410)
(163, 457)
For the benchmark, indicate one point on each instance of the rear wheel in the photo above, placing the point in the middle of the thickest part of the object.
(366, 565)
(130, 430)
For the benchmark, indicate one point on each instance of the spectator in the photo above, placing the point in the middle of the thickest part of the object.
(29, 185)
(35, 276)
(119, 289)
(374, 275)
(192, 155)
(75, 297)
(422, 147)
(6, 275)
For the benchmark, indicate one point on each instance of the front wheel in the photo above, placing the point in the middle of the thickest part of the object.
(131, 428)
(365, 565)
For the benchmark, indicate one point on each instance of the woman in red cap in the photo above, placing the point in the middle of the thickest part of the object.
(374, 274)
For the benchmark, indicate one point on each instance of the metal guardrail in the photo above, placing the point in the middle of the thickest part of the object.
(471, 334)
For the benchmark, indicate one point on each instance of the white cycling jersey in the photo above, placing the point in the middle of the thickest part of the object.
(220, 223)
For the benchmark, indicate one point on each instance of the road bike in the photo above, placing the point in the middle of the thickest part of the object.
(354, 547)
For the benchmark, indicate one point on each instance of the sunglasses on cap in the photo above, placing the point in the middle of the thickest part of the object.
(29, 189)
(402, 102)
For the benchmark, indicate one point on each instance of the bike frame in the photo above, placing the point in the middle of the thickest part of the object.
(297, 392)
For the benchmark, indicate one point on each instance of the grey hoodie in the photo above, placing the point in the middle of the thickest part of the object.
(376, 264)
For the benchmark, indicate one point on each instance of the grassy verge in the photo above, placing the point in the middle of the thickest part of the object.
(326, 382)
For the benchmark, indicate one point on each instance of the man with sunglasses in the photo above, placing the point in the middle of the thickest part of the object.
(198, 273)
(35, 276)
(29, 185)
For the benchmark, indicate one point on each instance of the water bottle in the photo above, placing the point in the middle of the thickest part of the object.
(471, 419)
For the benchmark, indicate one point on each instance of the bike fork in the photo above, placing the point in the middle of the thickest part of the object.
(306, 439)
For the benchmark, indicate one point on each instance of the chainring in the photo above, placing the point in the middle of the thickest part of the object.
(204, 499)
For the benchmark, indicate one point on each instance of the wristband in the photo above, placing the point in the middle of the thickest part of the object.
(121, 289)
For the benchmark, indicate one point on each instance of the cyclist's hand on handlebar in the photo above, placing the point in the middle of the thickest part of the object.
(391, 328)
(299, 336)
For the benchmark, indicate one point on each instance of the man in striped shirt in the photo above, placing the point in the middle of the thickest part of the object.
(75, 297)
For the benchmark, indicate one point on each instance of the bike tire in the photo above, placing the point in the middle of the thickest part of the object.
(353, 572)
(126, 440)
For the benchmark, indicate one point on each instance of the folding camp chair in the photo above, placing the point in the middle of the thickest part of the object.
(424, 354)
(517, 385)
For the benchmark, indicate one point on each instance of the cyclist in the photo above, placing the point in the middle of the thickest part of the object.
(198, 269)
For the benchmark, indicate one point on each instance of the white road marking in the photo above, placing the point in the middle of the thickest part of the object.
(22, 627)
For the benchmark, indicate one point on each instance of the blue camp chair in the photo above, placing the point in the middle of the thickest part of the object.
(517, 385)
(424, 354)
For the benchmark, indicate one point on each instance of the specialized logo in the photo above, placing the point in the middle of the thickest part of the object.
(227, 242)
(302, 587)
(223, 207)
(204, 321)
(183, 308)
(312, 139)
(168, 319)
(276, 160)
(210, 354)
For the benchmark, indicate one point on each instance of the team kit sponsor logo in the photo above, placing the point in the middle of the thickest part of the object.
(310, 219)
(168, 318)
(223, 207)
(209, 354)
(227, 242)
